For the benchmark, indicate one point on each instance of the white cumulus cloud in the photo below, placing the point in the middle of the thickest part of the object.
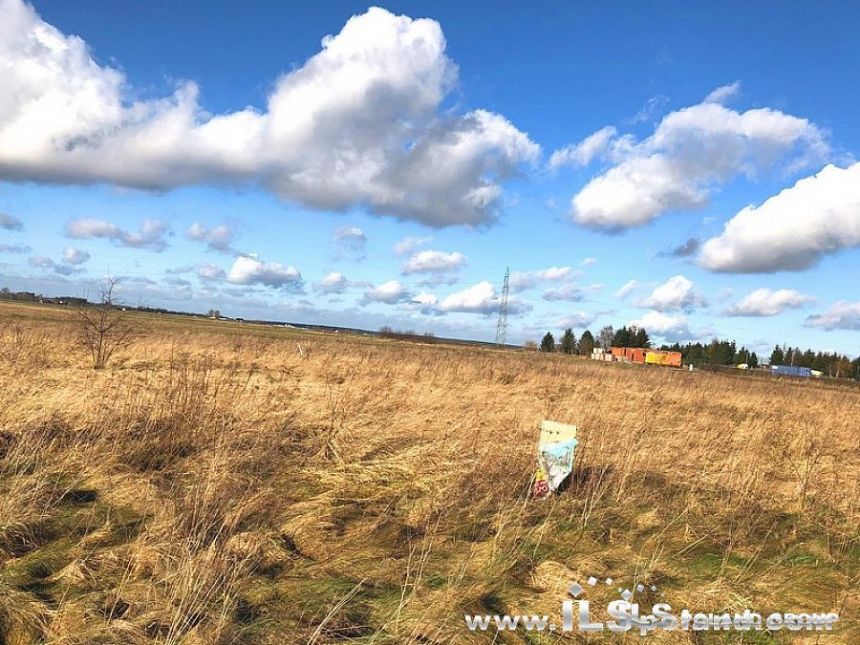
(522, 280)
(388, 293)
(151, 234)
(480, 298)
(360, 123)
(670, 327)
(840, 315)
(209, 271)
(569, 292)
(434, 262)
(676, 293)
(218, 238)
(334, 282)
(250, 270)
(692, 151)
(74, 256)
(792, 230)
(769, 302)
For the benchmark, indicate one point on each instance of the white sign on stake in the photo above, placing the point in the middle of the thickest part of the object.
(555, 456)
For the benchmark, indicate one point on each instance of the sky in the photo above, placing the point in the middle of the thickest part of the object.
(673, 165)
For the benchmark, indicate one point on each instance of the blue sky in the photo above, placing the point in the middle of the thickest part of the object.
(689, 167)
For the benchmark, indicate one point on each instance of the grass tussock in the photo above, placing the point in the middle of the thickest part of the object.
(216, 484)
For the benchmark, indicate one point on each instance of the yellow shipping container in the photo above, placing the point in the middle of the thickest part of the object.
(654, 358)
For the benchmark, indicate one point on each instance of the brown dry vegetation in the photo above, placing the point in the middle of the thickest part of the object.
(215, 485)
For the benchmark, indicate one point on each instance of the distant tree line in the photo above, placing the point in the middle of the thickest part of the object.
(725, 352)
(406, 334)
(717, 352)
(608, 337)
(830, 363)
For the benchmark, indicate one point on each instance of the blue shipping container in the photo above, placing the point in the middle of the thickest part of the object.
(791, 370)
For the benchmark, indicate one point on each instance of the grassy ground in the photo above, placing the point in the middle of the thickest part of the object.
(216, 485)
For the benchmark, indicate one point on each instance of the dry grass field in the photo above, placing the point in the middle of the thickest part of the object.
(215, 485)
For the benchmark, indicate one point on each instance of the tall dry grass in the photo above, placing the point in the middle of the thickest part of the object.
(215, 487)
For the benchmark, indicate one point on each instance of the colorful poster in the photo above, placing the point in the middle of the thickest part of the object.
(555, 456)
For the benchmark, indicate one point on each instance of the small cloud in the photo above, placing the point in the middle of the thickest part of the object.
(434, 262)
(587, 262)
(41, 262)
(676, 293)
(568, 292)
(150, 236)
(14, 248)
(577, 320)
(522, 280)
(724, 94)
(408, 244)
(249, 270)
(334, 282)
(10, 223)
(210, 272)
(653, 106)
(480, 298)
(840, 315)
(388, 293)
(350, 236)
(44, 262)
(74, 256)
(670, 327)
(626, 289)
(766, 302)
(584, 152)
(218, 239)
(686, 249)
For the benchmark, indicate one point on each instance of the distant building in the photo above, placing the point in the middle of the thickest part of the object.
(791, 370)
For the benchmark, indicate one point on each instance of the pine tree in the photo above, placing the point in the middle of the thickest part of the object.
(568, 342)
(639, 337)
(586, 343)
(622, 338)
(777, 356)
(548, 343)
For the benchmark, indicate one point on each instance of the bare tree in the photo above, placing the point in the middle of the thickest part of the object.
(605, 338)
(102, 326)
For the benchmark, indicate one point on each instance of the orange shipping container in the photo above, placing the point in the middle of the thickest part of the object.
(636, 354)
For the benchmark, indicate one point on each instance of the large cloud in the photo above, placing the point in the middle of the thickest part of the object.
(767, 302)
(792, 230)
(359, 124)
(690, 152)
